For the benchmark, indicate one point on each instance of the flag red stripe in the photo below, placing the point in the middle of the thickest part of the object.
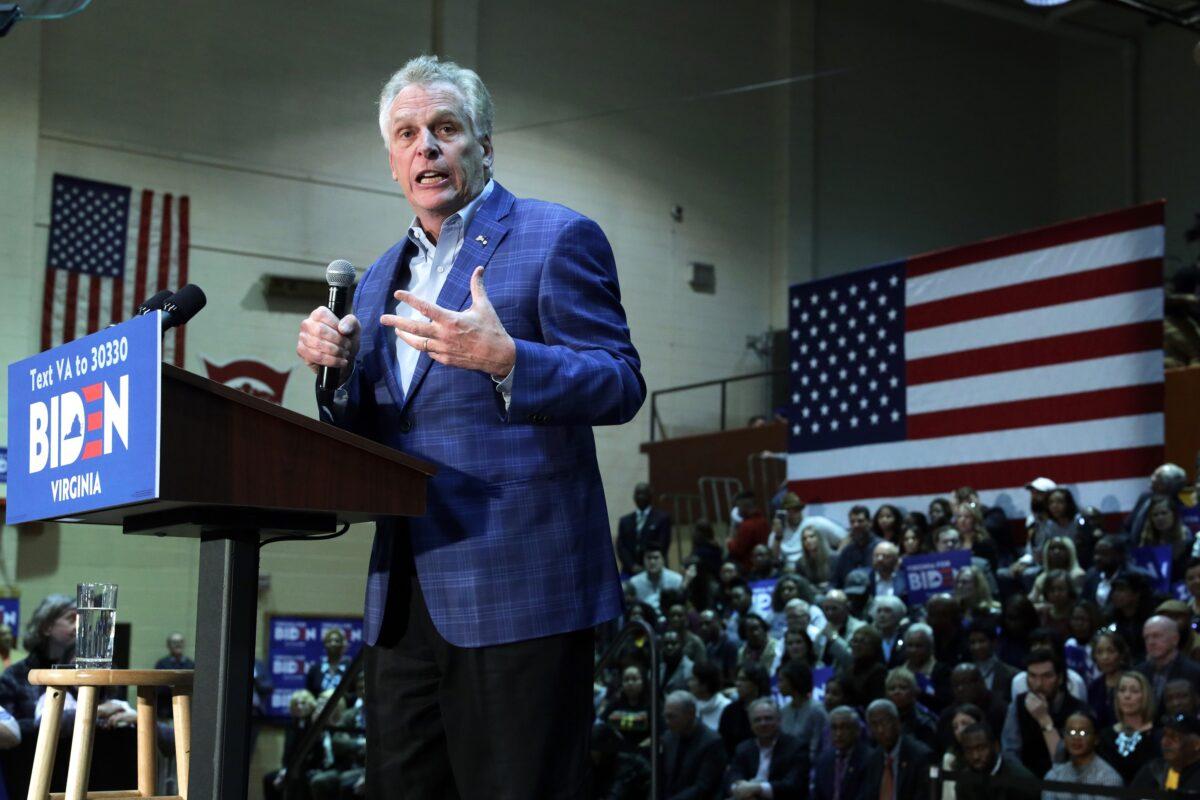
(164, 243)
(1087, 285)
(1054, 235)
(116, 311)
(69, 307)
(48, 308)
(143, 247)
(1097, 466)
(1077, 407)
(93, 312)
(1133, 338)
(184, 243)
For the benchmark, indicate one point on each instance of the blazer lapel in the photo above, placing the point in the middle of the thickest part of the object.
(481, 240)
(385, 337)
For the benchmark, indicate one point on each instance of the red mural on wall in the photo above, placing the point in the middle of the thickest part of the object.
(250, 376)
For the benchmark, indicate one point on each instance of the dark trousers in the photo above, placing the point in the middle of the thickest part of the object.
(506, 721)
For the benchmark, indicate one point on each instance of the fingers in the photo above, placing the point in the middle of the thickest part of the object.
(431, 310)
(325, 341)
(478, 290)
(415, 327)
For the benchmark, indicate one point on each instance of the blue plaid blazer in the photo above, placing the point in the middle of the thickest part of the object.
(515, 543)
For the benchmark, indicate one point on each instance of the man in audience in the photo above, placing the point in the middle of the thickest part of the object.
(740, 599)
(718, 650)
(839, 770)
(1039, 511)
(944, 616)
(675, 668)
(915, 719)
(981, 643)
(888, 613)
(772, 764)
(327, 673)
(933, 677)
(1191, 576)
(839, 623)
(650, 582)
(751, 530)
(1167, 479)
(705, 686)
(677, 620)
(884, 579)
(899, 766)
(1163, 661)
(645, 525)
(1036, 717)
(174, 659)
(1180, 697)
(1179, 767)
(693, 754)
(1109, 561)
(859, 545)
(981, 751)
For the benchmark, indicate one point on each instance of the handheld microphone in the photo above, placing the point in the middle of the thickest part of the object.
(153, 303)
(340, 277)
(182, 306)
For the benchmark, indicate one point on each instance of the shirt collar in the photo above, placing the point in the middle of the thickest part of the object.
(460, 219)
(999, 761)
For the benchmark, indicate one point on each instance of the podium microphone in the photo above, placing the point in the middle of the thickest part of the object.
(154, 303)
(182, 306)
(340, 277)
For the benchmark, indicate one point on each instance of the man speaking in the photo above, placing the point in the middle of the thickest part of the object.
(489, 340)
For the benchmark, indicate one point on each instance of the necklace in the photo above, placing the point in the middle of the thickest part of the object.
(1128, 742)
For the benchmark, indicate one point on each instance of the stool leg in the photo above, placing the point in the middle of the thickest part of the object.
(47, 743)
(81, 744)
(147, 736)
(181, 708)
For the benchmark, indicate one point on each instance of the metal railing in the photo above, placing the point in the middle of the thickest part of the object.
(631, 628)
(656, 421)
(685, 510)
(716, 496)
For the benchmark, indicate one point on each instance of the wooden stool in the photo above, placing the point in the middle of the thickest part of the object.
(147, 682)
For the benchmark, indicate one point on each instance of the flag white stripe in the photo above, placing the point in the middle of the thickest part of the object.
(1050, 262)
(1109, 496)
(1038, 323)
(172, 277)
(1110, 372)
(106, 306)
(60, 304)
(1113, 433)
(135, 216)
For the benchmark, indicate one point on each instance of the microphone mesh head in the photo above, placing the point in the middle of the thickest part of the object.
(340, 273)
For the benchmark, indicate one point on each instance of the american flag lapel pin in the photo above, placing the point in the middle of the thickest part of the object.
(481, 239)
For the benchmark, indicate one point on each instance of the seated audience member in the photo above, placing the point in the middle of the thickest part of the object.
(1130, 604)
(772, 763)
(762, 566)
(1179, 767)
(816, 560)
(752, 683)
(728, 576)
(675, 667)
(1130, 743)
(1089, 529)
(740, 600)
(985, 762)
(835, 695)
(328, 672)
(1181, 697)
(654, 577)
(759, 648)
(995, 522)
(1019, 620)
(839, 770)
(899, 765)
(797, 646)
(705, 685)
(866, 678)
(718, 650)
(1110, 655)
(640, 527)
(693, 760)
(49, 641)
(677, 620)
(802, 717)
(857, 549)
(968, 521)
(883, 578)
(1163, 661)
(915, 540)
(961, 717)
(616, 773)
(1085, 622)
(886, 523)
(888, 613)
(1178, 612)
(628, 710)
(916, 720)
(174, 659)
(967, 689)
(1036, 717)
(751, 530)
(1191, 577)
(932, 676)
(1057, 553)
(981, 644)
(857, 590)
(1048, 638)
(973, 595)
(839, 622)
(1109, 561)
(705, 548)
(787, 589)
(1058, 600)
(1164, 527)
(301, 706)
(1083, 765)
(336, 753)
(7, 652)
(941, 513)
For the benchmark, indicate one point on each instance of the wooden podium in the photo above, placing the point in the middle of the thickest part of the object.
(233, 468)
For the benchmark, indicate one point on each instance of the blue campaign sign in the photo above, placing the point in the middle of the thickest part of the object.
(930, 574)
(296, 642)
(3, 465)
(10, 615)
(760, 596)
(1155, 559)
(821, 676)
(83, 423)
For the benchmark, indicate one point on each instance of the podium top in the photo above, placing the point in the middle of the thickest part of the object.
(110, 677)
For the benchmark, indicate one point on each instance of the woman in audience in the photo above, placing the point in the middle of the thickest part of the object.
(886, 524)
(759, 648)
(915, 541)
(752, 683)
(816, 560)
(1110, 655)
(727, 577)
(700, 586)
(797, 646)
(1085, 621)
(965, 716)
(802, 716)
(1163, 526)
(1132, 741)
(915, 519)
(1061, 512)
(1059, 596)
(1019, 620)
(787, 588)
(705, 685)
(1130, 605)
(705, 548)
(1057, 553)
(941, 513)
(628, 710)
(865, 680)
(835, 695)
(973, 594)
(1083, 765)
(973, 536)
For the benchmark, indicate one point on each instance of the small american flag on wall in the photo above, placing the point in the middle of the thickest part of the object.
(110, 247)
(1038, 354)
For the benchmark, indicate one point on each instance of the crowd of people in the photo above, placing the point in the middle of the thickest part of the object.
(794, 659)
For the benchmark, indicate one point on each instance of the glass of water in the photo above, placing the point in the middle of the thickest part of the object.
(97, 607)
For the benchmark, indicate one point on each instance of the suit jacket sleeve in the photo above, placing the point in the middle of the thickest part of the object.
(744, 764)
(708, 778)
(789, 771)
(585, 371)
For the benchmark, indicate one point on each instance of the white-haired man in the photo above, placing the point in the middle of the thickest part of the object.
(693, 754)
(479, 614)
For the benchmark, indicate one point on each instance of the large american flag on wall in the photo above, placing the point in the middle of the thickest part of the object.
(1038, 354)
(110, 247)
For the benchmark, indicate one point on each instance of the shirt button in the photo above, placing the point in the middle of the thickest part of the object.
(441, 269)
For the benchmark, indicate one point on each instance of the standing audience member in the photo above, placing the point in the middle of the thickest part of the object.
(772, 764)
(174, 659)
(883, 578)
(327, 673)
(968, 521)
(1020, 619)
(1110, 655)
(786, 539)
(751, 530)
(1181, 697)
(1163, 661)
(1082, 764)
(1109, 561)
(1179, 767)
(982, 753)
(899, 766)
(693, 756)
(1132, 741)
(802, 717)
(1164, 527)
(839, 771)
(655, 577)
(932, 676)
(705, 686)
(857, 549)
(1032, 731)
(642, 526)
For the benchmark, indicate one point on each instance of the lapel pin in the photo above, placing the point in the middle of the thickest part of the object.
(481, 239)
